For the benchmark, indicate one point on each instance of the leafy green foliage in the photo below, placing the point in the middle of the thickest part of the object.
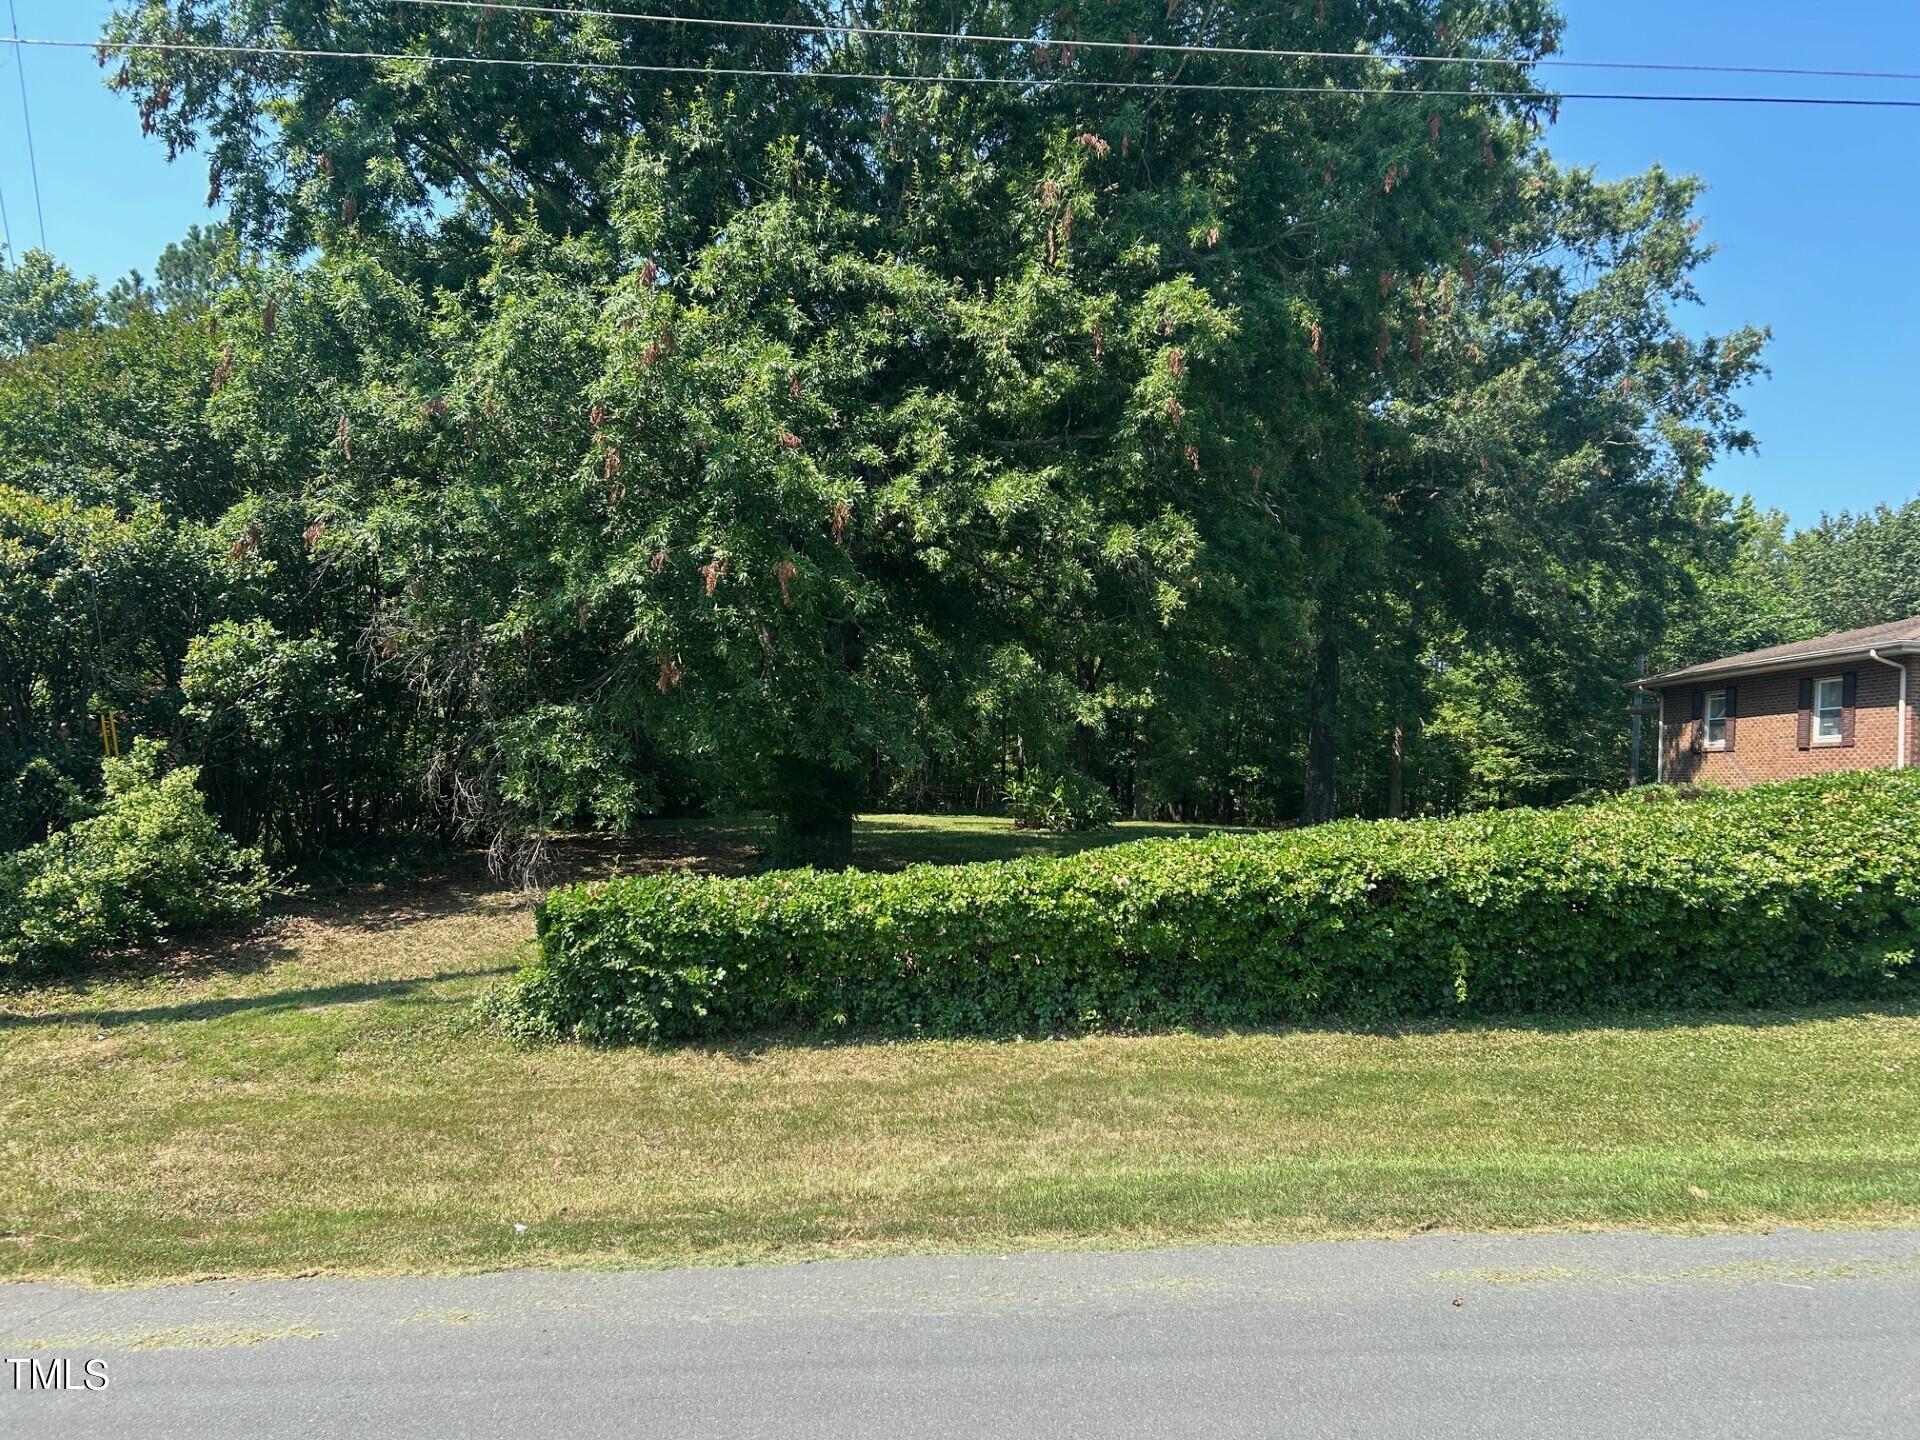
(1743, 592)
(117, 416)
(36, 799)
(569, 446)
(787, 428)
(1754, 585)
(96, 610)
(151, 863)
(190, 272)
(135, 519)
(1062, 802)
(41, 300)
(262, 717)
(1853, 570)
(1805, 890)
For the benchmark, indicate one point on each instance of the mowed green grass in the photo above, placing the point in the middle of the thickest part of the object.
(317, 1098)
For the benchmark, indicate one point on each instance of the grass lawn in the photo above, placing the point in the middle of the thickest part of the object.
(316, 1098)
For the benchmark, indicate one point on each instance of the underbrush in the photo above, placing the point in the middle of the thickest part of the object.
(151, 863)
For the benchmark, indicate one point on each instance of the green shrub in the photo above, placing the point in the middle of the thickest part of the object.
(1062, 803)
(35, 799)
(1789, 893)
(151, 863)
(264, 718)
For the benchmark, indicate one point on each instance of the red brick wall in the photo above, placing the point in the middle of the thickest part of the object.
(1767, 733)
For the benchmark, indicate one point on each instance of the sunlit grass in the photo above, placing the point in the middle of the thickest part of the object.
(318, 1098)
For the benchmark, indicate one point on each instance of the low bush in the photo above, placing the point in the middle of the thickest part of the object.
(1795, 892)
(151, 863)
(36, 798)
(1062, 803)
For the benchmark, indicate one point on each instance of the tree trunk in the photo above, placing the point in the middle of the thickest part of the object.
(1396, 774)
(1323, 712)
(822, 841)
(1638, 709)
(815, 823)
(815, 799)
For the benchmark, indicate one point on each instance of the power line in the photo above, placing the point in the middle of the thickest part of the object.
(882, 33)
(6, 224)
(1136, 46)
(624, 66)
(1035, 83)
(26, 115)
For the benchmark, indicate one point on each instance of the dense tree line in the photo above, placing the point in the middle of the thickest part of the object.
(542, 447)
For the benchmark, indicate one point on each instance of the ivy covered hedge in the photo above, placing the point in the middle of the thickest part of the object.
(1801, 891)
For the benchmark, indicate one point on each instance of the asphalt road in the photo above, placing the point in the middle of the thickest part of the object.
(1789, 1334)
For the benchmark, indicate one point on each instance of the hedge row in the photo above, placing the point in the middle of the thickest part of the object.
(1801, 891)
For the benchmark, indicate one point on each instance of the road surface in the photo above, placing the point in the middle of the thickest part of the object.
(1790, 1334)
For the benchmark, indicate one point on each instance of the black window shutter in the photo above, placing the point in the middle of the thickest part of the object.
(1806, 714)
(1699, 704)
(1733, 712)
(1849, 696)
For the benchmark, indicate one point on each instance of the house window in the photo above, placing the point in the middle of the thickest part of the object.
(1716, 720)
(1829, 708)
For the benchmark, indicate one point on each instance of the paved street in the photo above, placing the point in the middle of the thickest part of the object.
(1793, 1334)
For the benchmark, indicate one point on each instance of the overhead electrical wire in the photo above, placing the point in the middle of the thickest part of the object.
(26, 115)
(888, 77)
(628, 66)
(6, 221)
(1240, 52)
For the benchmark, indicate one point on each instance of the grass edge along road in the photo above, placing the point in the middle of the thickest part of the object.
(318, 1099)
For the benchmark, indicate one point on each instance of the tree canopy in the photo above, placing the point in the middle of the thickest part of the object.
(589, 441)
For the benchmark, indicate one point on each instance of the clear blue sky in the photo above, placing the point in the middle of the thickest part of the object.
(1814, 210)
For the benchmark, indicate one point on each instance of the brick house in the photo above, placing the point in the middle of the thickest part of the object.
(1837, 703)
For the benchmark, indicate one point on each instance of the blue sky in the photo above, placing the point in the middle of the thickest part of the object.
(1813, 210)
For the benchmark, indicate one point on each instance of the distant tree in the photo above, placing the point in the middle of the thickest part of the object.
(118, 416)
(1853, 570)
(41, 300)
(187, 276)
(1740, 593)
(195, 268)
(1524, 500)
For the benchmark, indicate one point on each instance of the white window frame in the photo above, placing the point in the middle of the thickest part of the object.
(1708, 720)
(1838, 711)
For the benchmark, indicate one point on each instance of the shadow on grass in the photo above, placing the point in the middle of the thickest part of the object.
(738, 845)
(893, 842)
(705, 847)
(768, 1045)
(316, 997)
(380, 910)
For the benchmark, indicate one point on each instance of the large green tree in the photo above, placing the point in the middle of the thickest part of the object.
(1540, 480)
(834, 398)
(783, 438)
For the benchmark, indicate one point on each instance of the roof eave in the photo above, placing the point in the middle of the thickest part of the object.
(1734, 669)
